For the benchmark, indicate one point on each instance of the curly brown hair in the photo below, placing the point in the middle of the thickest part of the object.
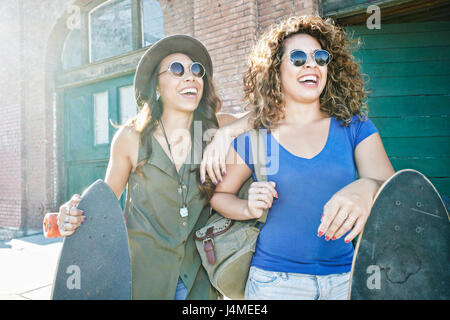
(344, 95)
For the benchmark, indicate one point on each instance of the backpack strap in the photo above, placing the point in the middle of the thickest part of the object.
(259, 162)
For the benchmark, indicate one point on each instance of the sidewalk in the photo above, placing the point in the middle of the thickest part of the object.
(27, 267)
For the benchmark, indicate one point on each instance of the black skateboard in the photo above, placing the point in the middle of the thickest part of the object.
(403, 252)
(95, 261)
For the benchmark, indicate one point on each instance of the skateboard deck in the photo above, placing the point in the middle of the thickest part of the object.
(403, 250)
(94, 262)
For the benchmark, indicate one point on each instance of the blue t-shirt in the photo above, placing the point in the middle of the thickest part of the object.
(288, 242)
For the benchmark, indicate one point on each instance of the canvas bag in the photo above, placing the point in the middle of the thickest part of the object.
(226, 246)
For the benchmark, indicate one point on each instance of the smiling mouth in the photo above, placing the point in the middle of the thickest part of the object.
(310, 79)
(189, 92)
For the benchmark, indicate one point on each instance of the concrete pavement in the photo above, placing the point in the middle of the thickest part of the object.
(27, 267)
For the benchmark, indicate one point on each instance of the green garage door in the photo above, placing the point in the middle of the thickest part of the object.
(409, 101)
(88, 132)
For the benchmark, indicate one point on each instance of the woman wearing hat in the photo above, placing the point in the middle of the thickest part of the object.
(304, 89)
(156, 155)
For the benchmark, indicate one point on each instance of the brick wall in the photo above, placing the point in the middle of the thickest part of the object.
(270, 11)
(229, 29)
(10, 115)
(26, 130)
(29, 152)
(178, 16)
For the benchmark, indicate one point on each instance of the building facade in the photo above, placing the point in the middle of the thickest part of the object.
(67, 71)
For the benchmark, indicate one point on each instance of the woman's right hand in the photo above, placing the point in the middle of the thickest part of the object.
(70, 217)
(213, 161)
(260, 197)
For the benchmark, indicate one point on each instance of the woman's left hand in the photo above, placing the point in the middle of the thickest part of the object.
(347, 210)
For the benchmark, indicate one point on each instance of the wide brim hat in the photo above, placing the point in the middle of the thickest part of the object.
(179, 43)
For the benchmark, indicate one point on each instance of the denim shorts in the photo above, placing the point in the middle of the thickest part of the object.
(181, 292)
(270, 285)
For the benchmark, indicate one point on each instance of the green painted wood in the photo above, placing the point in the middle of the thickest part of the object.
(442, 185)
(81, 174)
(86, 162)
(409, 105)
(413, 126)
(411, 54)
(424, 85)
(430, 167)
(408, 71)
(417, 147)
(329, 6)
(416, 69)
(406, 40)
(422, 27)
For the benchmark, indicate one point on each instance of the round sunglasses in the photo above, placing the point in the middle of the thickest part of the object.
(299, 57)
(177, 69)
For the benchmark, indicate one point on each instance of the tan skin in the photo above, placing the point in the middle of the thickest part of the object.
(177, 117)
(304, 133)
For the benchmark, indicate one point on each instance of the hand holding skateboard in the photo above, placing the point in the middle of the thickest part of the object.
(69, 216)
(94, 262)
(66, 221)
(347, 210)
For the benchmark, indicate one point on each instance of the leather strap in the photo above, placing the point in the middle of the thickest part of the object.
(259, 160)
(208, 245)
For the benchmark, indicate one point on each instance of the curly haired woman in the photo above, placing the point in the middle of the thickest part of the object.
(304, 88)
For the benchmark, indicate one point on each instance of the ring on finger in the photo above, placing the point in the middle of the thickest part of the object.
(351, 220)
(343, 214)
(66, 219)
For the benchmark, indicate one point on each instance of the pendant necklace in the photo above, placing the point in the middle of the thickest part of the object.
(183, 189)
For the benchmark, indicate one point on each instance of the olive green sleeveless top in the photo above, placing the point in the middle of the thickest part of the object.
(162, 248)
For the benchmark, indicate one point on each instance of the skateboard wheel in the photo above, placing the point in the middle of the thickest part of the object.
(50, 225)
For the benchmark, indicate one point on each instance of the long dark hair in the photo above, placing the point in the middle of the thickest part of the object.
(150, 110)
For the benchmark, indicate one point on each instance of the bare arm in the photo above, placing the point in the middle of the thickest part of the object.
(122, 159)
(225, 199)
(350, 207)
(235, 124)
(215, 153)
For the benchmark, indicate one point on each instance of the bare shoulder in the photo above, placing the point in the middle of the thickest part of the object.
(371, 159)
(125, 144)
(124, 136)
